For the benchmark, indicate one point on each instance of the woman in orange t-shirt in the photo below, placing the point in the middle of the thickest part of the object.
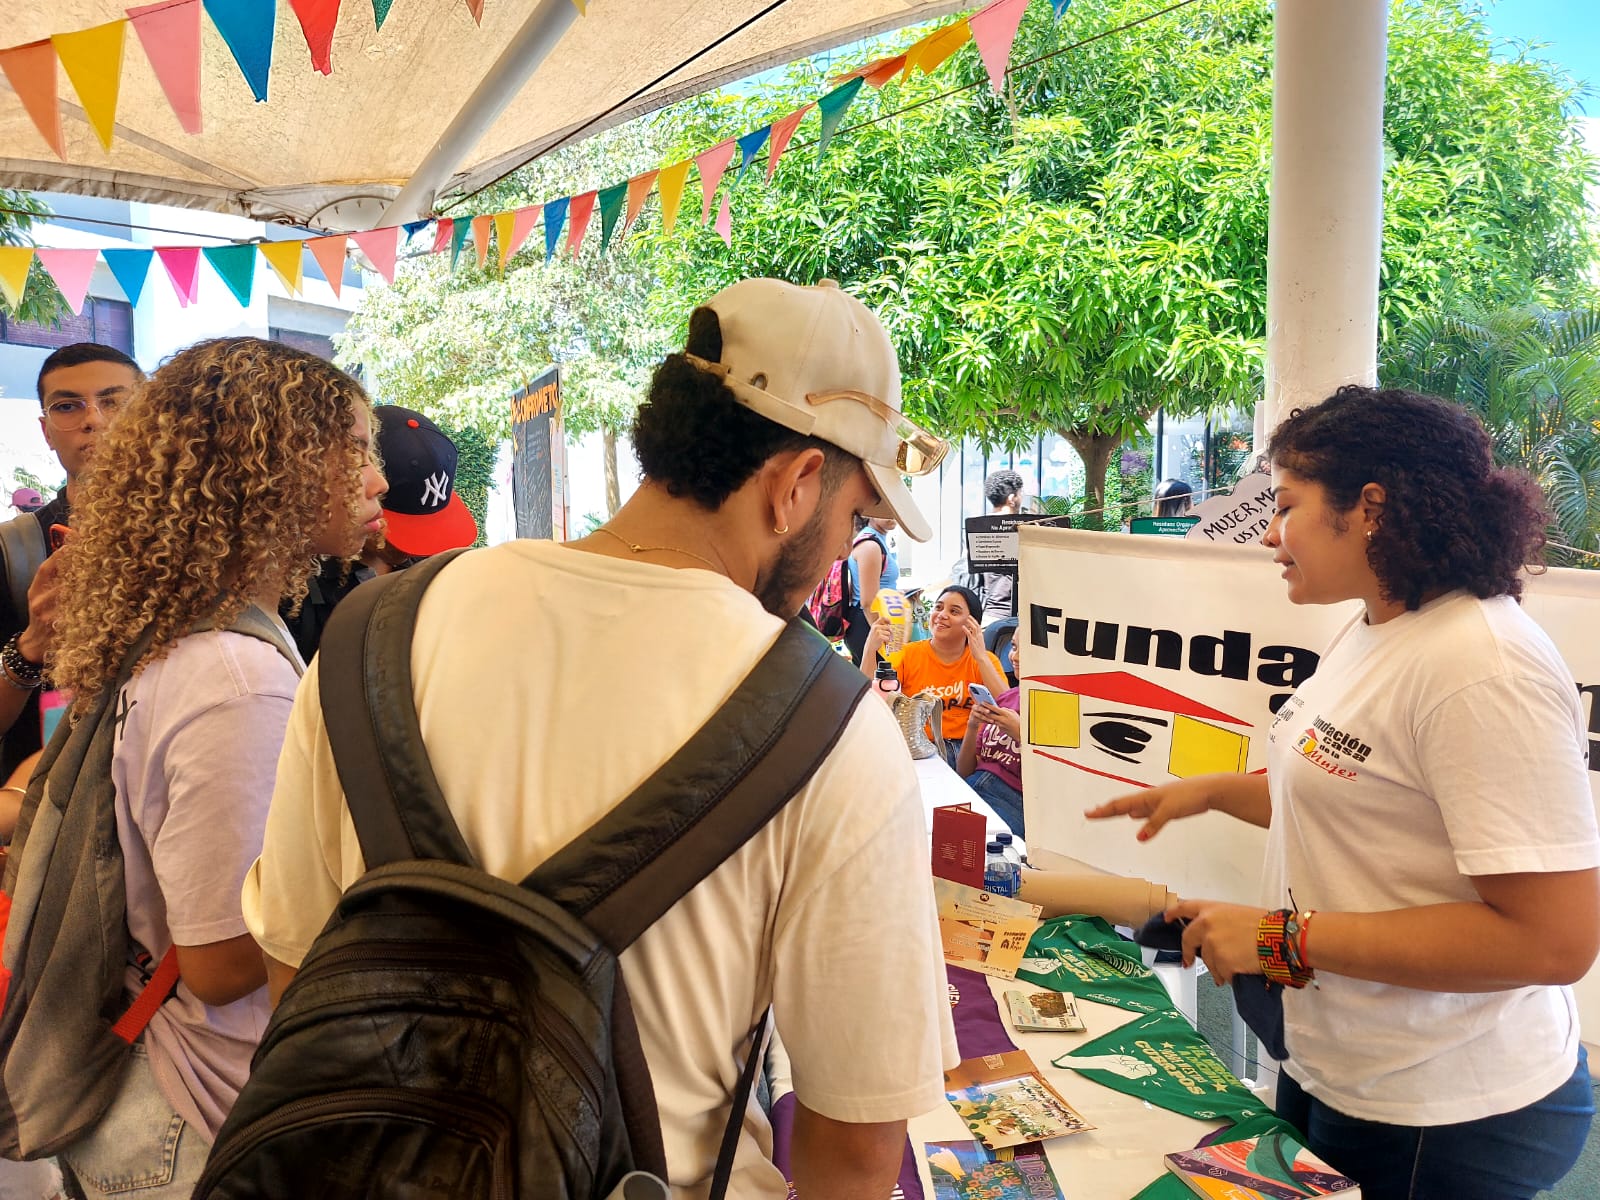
(952, 659)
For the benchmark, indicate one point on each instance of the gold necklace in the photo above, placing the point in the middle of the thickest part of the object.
(635, 548)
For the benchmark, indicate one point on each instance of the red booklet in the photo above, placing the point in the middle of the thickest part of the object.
(959, 838)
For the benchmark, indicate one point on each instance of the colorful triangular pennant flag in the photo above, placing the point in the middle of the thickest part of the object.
(522, 223)
(611, 200)
(412, 228)
(782, 131)
(380, 245)
(929, 54)
(670, 185)
(317, 19)
(237, 267)
(329, 255)
(444, 232)
(638, 192)
(458, 238)
(995, 29)
(475, 7)
(724, 224)
(712, 164)
(578, 220)
(555, 215)
(583, 7)
(482, 225)
(14, 264)
(183, 268)
(380, 11)
(505, 224)
(130, 268)
(170, 35)
(92, 59)
(31, 69)
(286, 260)
(833, 107)
(247, 27)
(880, 73)
(71, 269)
(749, 146)
(1060, 6)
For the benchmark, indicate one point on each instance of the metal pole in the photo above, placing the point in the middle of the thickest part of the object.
(1325, 220)
(517, 63)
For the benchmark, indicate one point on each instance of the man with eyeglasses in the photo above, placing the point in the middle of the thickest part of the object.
(80, 388)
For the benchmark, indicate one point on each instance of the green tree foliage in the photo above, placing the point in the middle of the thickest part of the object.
(42, 302)
(1093, 246)
(1533, 376)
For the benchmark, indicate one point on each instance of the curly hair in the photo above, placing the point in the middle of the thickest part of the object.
(696, 440)
(1451, 518)
(1001, 485)
(212, 484)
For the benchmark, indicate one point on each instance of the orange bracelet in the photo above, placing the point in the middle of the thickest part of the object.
(1305, 930)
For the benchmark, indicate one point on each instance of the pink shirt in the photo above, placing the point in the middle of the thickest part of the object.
(997, 750)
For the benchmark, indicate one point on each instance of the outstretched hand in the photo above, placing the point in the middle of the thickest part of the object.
(1156, 806)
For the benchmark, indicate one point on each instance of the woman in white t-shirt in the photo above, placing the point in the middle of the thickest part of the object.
(221, 481)
(1432, 849)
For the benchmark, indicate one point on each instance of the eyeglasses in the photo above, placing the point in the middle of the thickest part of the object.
(919, 451)
(68, 416)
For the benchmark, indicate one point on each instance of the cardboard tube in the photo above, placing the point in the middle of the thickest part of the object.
(1120, 901)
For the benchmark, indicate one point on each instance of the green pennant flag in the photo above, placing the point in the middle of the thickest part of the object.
(380, 10)
(458, 238)
(1085, 956)
(833, 107)
(611, 201)
(237, 266)
(1161, 1059)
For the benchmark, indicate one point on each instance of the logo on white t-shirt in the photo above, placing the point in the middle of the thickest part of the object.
(1331, 749)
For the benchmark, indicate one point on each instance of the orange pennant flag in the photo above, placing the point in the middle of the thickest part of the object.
(638, 192)
(285, 259)
(92, 59)
(782, 131)
(32, 72)
(475, 7)
(671, 187)
(14, 264)
(505, 225)
(480, 237)
(939, 45)
(882, 72)
(329, 253)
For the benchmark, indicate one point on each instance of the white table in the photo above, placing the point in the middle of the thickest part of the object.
(942, 787)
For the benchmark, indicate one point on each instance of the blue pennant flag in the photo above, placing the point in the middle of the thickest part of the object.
(247, 26)
(129, 268)
(413, 228)
(1060, 6)
(555, 215)
(749, 146)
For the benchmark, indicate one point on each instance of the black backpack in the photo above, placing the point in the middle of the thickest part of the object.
(454, 1034)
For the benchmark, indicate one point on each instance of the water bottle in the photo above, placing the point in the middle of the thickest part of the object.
(886, 682)
(1001, 876)
(1008, 845)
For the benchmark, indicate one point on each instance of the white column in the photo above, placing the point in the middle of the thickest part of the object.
(1326, 217)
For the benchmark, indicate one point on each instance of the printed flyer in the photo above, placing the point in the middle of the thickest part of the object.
(982, 931)
(966, 1171)
(1006, 1102)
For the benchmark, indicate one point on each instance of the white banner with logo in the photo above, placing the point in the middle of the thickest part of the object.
(1149, 659)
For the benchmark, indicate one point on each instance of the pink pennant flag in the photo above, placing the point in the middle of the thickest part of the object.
(578, 220)
(523, 222)
(170, 35)
(994, 29)
(317, 19)
(329, 253)
(380, 246)
(481, 225)
(71, 270)
(183, 268)
(712, 164)
(725, 221)
(782, 131)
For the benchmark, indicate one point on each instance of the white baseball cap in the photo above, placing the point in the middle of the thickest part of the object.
(817, 361)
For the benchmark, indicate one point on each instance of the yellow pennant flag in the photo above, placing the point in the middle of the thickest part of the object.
(14, 264)
(285, 259)
(670, 185)
(92, 59)
(939, 45)
(583, 7)
(504, 224)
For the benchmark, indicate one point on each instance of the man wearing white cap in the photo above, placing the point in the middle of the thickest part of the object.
(552, 679)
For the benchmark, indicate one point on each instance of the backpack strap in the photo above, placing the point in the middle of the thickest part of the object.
(23, 545)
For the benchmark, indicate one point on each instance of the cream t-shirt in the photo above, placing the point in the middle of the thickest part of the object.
(1445, 743)
(551, 682)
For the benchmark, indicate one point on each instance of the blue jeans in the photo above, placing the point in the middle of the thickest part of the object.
(1510, 1156)
(140, 1149)
(1002, 797)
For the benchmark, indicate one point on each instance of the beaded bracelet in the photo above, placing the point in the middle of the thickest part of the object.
(18, 671)
(1278, 950)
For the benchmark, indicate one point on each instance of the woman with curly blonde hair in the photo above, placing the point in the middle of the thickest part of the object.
(227, 474)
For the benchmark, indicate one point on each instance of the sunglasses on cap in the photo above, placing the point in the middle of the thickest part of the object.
(919, 451)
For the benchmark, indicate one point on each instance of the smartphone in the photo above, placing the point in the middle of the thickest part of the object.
(982, 694)
(58, 536)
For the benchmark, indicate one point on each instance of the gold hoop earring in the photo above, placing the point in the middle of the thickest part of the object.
(780, 532)
(1369, 535)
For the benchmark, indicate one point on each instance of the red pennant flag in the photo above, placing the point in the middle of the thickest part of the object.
(32, 72)
(638, 192)
(317, 19)
(183, 268)
(71, 270)
(480, 237)
(170, 35)
(578, 220)
(884, 71)
(995, 29)
(443, 234)
(475, 7)
(380, 246)
(782, 131)
(329, 253)
(712, 164)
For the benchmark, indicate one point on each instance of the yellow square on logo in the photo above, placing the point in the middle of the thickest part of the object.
(1202, 749)
(1053, 719)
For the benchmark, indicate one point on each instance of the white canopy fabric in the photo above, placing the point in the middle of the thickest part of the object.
(333, 151)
